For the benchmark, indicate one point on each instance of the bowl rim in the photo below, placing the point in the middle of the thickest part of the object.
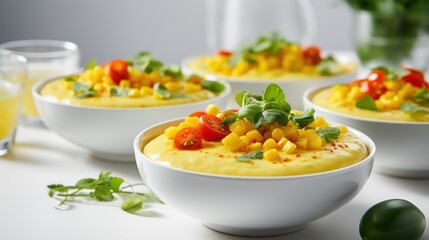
(369, 143)
(35, 90)
(319, 87)
(340, 54)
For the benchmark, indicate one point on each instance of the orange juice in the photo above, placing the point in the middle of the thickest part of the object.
(35, 73)
(9, 109)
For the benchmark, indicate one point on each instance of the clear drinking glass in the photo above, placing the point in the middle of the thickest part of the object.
(232, 22)
(12, 77)
(46, 59)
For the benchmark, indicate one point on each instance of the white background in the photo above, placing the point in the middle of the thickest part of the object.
(171, 29)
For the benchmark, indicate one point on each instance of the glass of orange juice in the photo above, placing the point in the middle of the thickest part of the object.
(12, 77)
(45, 59)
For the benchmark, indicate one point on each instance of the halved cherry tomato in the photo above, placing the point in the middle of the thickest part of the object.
(188, 139)
(311, 55)
(197, 114)
(224, 53)
(210, 128)
(415, 78)
(117, 70)
(373, 85)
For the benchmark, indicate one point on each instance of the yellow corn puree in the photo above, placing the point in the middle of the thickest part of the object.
(270, 57)
(398, 100)
(146, 86)
(285, 149)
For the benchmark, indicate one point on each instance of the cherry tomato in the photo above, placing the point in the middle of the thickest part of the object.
(197, 114)
(117, 70)
(311, 55)
(224, 53)
(373, 85)
(188, 139)
(210, 128)
(415, 78)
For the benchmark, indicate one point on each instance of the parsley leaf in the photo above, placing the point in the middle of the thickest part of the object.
(256, 154)
(83, 91)
(329, 133)
(366, 103)
(132, 205)
(173, 71)
(144, 62)
(212, 86)
(157, 87)
(92, 63)
(421, 96)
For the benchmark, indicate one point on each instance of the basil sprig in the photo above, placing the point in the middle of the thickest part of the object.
(329, 133)
(413, 108)
(270, 43)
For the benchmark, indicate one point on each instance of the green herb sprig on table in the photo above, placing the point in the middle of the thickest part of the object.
(103, 189)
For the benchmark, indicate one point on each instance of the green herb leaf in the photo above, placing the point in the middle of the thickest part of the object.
(421, 96)
(85, 182)
(275, 115)
(144, 62)
(255, 155)
(118, 92)
(366, 103)
(103, 193)
(329, 66)
(329, 133)
(115, 183)
(92, 63)
(173, 71)
(71, 78)
(83, 91)
(249, 111)
(213, 86)
(157, 87)
(303, 119)
(273, 92)
(413, 108)
(132, 205)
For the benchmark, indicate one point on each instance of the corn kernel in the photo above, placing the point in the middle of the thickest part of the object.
(213, 109)
(289, 147)
(146, 91)
(255, 146)
(134, 93)
(192, 87)
(269, 144)
(184, 125)
(302, 143)
(241, 127)
(192, 121)
(171, 132)
(343, 129)
(282, 142)
(124, 83)
(272, 155)
(246, 140)
(315, 142)
(173, 86)
(107, 79)
(255, 136)
(68, 85)
(277, 134)
(232, 142)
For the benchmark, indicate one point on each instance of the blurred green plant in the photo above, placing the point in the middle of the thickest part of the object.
(395, 27)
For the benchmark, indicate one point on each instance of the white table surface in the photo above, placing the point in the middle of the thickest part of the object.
(41, 157)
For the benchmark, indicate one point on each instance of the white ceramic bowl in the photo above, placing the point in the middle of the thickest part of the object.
(402, 147)
(109, 132)
(293, 88)
(251, 206)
